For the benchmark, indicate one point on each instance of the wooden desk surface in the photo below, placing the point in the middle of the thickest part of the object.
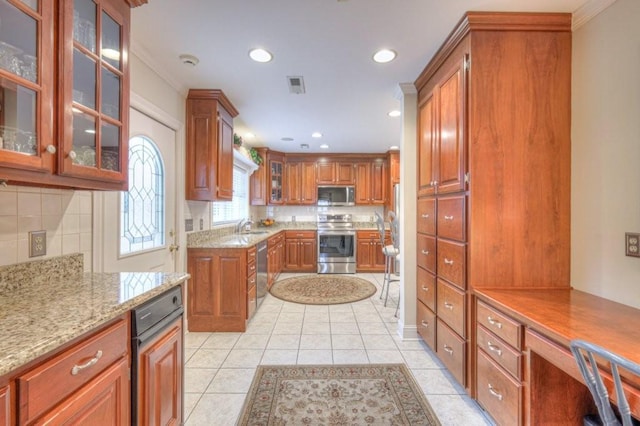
(567, 314)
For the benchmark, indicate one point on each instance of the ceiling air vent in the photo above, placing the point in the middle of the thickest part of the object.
(296, 84)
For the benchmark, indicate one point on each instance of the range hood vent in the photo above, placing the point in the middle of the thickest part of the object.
(296, 84)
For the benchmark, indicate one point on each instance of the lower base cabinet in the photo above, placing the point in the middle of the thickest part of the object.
(160, 379)
(498, 392)
(369, 256)
(5, 406)
(301, 251)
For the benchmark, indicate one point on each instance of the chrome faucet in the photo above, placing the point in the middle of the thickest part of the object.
(240, 227)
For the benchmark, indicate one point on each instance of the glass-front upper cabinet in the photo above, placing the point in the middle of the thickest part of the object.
(95, 89)
(26, 84)
(276, 175)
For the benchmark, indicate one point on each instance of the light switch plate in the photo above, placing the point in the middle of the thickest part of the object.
(37, 243)
(188, 225)
(632, 244)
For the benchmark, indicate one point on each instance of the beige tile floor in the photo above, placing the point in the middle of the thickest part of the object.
(220, 366)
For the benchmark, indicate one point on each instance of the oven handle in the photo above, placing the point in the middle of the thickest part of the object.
(336, 232)
(158, 327)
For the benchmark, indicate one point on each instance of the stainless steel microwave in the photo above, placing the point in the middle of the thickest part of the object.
(336, 196)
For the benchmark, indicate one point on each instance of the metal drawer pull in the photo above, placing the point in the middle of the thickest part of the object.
(425, 288)
(448, 217)
(448, 262)
(448, 349)
(493, 392)
(448, 306)
(494, 348)
(424, 324)
(425, 252)
(93, 361)
(425, 216)
(494, 322)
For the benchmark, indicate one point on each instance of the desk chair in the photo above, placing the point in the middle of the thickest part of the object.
(390, 253)
(585, 351)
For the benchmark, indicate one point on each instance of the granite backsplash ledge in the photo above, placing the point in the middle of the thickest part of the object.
(15, 276)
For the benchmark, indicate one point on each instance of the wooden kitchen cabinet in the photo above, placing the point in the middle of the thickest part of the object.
(301, 183)
(160, 381)
(5, 405)
(335, 172)
(301, 251)
(64, 100)
(371, 182)
(275, 181)
(217, 290)
(476, 224)
(90, 379)
(369, 256)
(275, 257)
(209, 156)
(258, 181)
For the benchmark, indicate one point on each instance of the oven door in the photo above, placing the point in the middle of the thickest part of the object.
(336, 246)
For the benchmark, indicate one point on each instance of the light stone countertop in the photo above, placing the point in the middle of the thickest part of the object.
(40, 317)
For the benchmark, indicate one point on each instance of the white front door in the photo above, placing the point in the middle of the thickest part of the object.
(138, 232)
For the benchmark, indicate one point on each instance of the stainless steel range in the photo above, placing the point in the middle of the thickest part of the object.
(336, 244)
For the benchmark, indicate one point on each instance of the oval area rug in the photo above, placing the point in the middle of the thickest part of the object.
(323, 289)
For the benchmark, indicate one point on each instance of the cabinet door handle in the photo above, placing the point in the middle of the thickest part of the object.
(494, 348)
(51, 149)
(493, 322)
(495, 393)
(72, 155)
(448, 217)
(425, 216)
(448, 349)
(424, 323)
(93, 361)
(425, 252)
(448, 306)
(448, 261)
(425, 288)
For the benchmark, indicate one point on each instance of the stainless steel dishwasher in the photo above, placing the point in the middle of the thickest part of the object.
(261, 274)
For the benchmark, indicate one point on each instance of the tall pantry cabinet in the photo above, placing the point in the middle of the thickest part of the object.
(493, 172)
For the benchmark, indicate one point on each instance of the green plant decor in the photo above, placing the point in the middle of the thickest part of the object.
(255, 156)
(237, 140)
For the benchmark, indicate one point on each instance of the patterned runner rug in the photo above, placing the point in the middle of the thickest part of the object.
(323, 289)
(368, 394)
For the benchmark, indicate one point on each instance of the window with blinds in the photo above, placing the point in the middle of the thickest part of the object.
(238, 208)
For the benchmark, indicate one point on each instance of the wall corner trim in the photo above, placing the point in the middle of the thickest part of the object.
(588, 11)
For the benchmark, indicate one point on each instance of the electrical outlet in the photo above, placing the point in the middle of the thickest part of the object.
(188, 225)
(37, 243)
(632, 245)
(201, 224)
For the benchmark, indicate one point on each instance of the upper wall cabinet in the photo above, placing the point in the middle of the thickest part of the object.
(74, 134)
(335, 173)
(209, 169)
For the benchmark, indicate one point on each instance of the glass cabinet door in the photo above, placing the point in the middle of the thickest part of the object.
(25, 84)
(95, 143)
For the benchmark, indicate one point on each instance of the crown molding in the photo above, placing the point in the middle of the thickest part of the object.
(588, 11)
(142, 54)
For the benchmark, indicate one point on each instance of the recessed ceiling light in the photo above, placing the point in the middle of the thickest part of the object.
(286, 139)
(316, 135)
(394, 113)
(324, 146)
(260, 55)
(383, 56)
(304, 146)
(394, 147)
(249, 135)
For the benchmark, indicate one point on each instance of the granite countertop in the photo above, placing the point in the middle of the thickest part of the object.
(216, 239)
(48, 312)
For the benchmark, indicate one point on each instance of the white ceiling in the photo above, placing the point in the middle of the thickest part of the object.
(328, 42)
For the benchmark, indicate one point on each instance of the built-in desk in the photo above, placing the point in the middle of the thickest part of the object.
(553, 389)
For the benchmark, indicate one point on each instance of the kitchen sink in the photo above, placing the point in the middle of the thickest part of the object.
(255, 232)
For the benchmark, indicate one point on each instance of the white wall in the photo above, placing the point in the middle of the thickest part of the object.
(606, 153)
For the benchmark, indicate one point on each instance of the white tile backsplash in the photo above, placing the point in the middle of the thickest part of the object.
(66, 215)
(310, 213)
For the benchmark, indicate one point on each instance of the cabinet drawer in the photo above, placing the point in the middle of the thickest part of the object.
(507, 357)
(251, 255)
(426, 322)
(498, 393)
(426, 255)
(426, 288)
(46, 385)
(251, 280)
(299, 234)
(251, 301)
(427, 216)
(451, 307)
(500, 325)
(452, 262)
(368, 235)
(251, 269)
(451, 351)
(451, 218)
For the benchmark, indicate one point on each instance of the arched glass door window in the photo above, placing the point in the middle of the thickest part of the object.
(142, 208)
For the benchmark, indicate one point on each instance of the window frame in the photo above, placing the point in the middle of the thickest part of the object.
(246, 165)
